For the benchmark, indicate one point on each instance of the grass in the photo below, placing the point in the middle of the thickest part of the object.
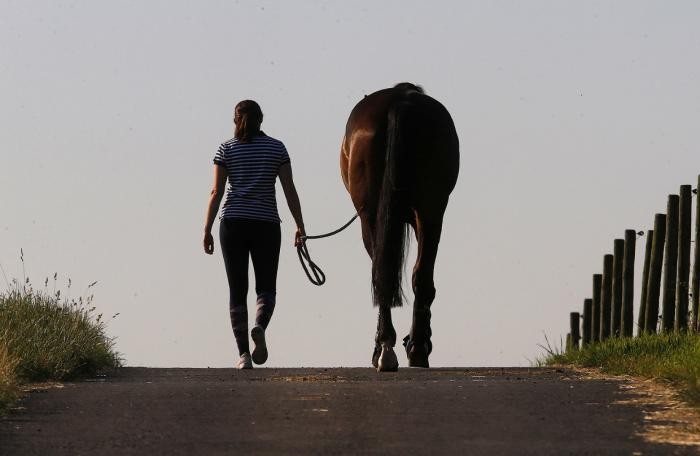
(8, 381)
(46, 337)
(671, 357)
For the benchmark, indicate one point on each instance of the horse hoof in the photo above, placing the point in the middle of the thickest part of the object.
(387, 360)
(416, 360)
(375, 355)
(416, 356)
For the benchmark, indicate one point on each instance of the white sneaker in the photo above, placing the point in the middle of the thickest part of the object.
(260, 350)
(244, 362)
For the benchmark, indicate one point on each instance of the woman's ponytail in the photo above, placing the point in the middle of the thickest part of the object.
(247, 117)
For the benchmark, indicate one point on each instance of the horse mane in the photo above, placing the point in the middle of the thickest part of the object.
(409, 86)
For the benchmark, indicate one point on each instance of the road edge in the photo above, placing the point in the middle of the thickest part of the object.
(668, 418)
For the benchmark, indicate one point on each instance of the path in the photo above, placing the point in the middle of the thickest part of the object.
(330, 411)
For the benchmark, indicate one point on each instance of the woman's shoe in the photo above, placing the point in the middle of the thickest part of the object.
(260, 350)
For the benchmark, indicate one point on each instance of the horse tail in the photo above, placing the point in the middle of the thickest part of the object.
(390, 237)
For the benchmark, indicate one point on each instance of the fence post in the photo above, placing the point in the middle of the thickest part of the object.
(696, 265)
(670, 265)
(606, 297)
(616, 317)
(642, 317)
(682, 288)
(655, 265)
(627, 319)
(587, 307)
(595, 308)
(575, 324)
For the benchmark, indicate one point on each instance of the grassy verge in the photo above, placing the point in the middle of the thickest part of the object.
(8, 381)
(671, 357)
(44, 337)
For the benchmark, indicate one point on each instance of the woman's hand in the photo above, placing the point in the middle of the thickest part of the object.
(298, 237)
(208, 243)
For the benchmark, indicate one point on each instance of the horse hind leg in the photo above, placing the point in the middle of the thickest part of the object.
(418, 342)
(383, 357)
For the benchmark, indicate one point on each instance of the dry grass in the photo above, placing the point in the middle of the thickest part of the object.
(45, 337)
(8, 381)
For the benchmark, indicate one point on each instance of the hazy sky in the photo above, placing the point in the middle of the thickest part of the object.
(576, 120)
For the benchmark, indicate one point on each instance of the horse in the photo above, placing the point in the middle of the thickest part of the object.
(399, 162)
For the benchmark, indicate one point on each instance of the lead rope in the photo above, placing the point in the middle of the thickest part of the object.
(313, 271)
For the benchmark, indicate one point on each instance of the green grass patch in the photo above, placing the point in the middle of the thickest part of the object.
(46, 337)
(671, 357)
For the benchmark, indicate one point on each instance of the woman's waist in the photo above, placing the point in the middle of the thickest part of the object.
(244, 197)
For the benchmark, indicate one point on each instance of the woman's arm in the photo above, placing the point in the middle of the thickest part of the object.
(217, 192)
(290, 192)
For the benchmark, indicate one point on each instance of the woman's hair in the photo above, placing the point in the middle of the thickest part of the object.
(247, 117)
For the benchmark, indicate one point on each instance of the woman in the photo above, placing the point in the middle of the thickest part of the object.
(250, 224)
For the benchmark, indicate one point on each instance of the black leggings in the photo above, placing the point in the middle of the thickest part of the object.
(260, 241)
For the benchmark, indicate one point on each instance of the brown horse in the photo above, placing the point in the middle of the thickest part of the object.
(399, 161)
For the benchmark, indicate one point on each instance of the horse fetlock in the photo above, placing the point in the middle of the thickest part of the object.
(389, 339)
(422, 343)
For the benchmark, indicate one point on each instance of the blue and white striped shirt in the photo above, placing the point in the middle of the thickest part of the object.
(252, 172)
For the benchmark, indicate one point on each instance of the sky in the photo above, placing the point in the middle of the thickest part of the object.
(575, 119)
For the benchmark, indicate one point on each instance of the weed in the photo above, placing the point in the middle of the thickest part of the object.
(44, 336)
(671, 357)
(8, 382)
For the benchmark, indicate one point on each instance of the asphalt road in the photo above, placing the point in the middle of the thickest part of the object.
(330, 411)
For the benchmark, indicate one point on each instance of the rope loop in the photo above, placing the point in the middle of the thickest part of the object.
(313, 271)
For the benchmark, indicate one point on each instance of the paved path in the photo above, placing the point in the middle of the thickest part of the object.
(330, 411)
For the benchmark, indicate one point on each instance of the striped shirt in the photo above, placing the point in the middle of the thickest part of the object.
(252, 172)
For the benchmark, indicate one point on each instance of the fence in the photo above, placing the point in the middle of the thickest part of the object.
(666, 280)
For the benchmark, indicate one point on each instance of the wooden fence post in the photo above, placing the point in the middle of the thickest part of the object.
(642, 317)
(655, 265)
(627, 319)
(616, 317)
(595, 307)
(682, 288)
(670, 265)
(587, 307)
(575, 324)
(606, 297)
(696, 265)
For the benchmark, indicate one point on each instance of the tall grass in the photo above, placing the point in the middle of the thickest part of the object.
(671, 357)
(46, 337)
(8, 381)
